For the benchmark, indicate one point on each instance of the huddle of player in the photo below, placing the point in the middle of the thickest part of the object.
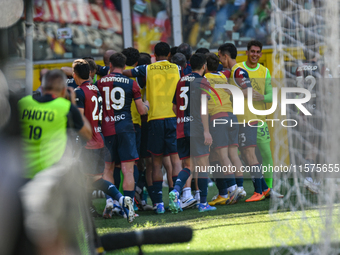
(168, 128)
(178, 136)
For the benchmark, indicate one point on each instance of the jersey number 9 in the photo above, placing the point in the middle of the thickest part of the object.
(118, 102)
(35, 132)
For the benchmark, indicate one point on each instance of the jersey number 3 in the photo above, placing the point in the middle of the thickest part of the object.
(185, 97)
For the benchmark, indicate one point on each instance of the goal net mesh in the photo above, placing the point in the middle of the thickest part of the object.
(307, 220)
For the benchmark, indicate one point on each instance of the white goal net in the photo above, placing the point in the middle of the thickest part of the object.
(306, 55)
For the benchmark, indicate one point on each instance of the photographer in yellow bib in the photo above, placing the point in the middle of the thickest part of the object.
(44, 122)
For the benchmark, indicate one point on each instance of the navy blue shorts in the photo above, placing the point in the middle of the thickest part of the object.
(198, 148)
(224, 135)
(144, 141)
(92, 160)
(121, 147)
(162, 138)
(247, 136)
(138, 137)
(183, 147)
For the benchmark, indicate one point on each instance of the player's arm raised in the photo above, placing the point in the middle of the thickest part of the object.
(79, 120)
(67, 70)
(242, 80)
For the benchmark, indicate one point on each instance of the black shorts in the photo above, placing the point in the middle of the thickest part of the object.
(92, 160)
(121, 147)
(144, 141)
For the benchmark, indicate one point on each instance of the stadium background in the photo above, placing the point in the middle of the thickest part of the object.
(66, 29)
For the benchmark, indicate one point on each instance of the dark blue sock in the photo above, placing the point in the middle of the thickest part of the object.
(256, 177)
(108, 188)
(203, 186)
(181, 179)
(151, 194)
(264, 184)
(157, 192)
(231, 180)
(135, 174)
(221, 184)
(107, 196)
(129, 193)
(141, 181)
(171, 189)
(239, 181)
(116, 176)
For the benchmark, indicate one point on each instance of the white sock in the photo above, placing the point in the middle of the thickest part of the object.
(186, 193)
(224, 196)
(232, 188)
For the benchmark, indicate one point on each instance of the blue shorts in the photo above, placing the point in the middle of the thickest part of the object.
(162, 138)
(121, 147)
(183, 147)
(138, 137)
(247, 136)
(224, 135)
(198, 148)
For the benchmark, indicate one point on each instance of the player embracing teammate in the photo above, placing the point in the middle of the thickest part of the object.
(193, 136)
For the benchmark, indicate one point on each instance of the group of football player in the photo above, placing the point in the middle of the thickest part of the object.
(146, 117)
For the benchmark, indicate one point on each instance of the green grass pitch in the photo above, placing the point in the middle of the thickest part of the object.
(243, 228)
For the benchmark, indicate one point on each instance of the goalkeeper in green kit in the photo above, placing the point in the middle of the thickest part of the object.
(262, 93)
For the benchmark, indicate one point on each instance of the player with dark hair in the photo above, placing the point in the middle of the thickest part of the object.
(89, 102)
(225, 137)
(132, 56)
(45, 121)
(146, 177)
(93, 70)
(173, 51)
(161, 79)
(248, 133)
(227, 54)
(308, 76)
(193, 136)
(202, 50)
(118, 92)
(186, 50)
(262, 93)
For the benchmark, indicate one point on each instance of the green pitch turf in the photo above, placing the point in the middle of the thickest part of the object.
(243, 228)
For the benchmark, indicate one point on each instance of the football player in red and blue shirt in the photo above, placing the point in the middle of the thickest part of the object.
(89, 102)
(118, 91)
(193, 136)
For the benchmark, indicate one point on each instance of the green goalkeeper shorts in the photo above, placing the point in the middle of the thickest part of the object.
(263, 135)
